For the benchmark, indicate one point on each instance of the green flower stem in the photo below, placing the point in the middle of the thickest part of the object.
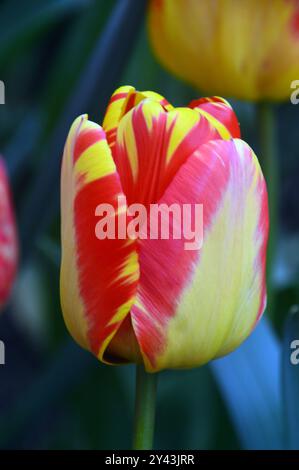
(269, 163)
(145, 405)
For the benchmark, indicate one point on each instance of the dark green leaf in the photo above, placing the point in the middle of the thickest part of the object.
(31, 18)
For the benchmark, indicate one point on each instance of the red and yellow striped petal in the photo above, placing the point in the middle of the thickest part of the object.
(121, 102)
(152, 144)
(193, 306)
(220, 114)
(98, 277)
(8, 238)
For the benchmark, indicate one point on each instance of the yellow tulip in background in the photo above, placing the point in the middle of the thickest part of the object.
(246, 49)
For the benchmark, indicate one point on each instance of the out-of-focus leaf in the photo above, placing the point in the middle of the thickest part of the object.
(46, 390)
(72, 57)
(48, 255)
(99, 79)
(30, 137)
(30, 19)
(290, 378)
(190, 405)
(18, 150)
(286, 269)
(27, 303)
(249, 380)
(102, 408)
(50, 250)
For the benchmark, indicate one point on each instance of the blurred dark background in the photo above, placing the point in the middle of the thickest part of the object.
(59, 59)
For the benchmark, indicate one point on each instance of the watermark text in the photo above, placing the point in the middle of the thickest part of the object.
(155, 222)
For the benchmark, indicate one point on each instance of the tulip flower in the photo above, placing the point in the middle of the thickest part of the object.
(151, 301)
(8, 238)
(247, 49)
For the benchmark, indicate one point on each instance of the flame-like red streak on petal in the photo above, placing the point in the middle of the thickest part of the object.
(100, 261)
(165, 262)
(263, 227)
(221, 111)
(85, 139)
(154, 173)
(116, 97)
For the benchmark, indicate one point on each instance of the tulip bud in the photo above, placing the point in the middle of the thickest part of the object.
(145, 298)
(246, 49)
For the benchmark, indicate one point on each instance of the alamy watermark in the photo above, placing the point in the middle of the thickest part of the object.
(294, 356)
(155, 221)
(2, 92)
(2, 353)
(294, 98)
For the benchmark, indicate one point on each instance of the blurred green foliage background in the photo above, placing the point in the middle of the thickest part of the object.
(59, 59)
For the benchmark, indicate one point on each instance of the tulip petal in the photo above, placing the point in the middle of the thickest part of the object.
(195, 305)
(247, 49)
(121, 102)
(152, 144)
(8, 238)
(98, 277)
(221, 115)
